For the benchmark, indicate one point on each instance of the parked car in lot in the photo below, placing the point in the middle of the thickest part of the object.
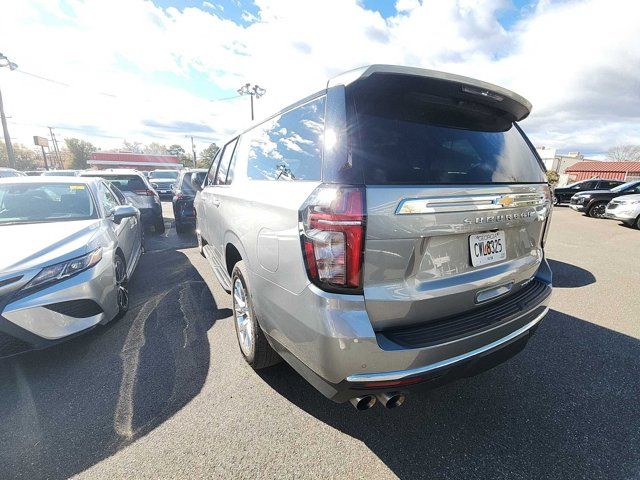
(163, 181)
(138, 191)
(594, 202)
(32, 173)
(68, 249)
(386, 231)
(10, 172)
(60, 173)
(183, 194)
(564, 194)
(626, 209)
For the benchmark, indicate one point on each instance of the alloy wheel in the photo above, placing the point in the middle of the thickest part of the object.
(242, 314)
(597, 211)
(122, 285)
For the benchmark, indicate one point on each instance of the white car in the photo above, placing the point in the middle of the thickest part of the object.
(626, 209)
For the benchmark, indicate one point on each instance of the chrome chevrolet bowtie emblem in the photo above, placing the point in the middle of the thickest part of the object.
(504, 200)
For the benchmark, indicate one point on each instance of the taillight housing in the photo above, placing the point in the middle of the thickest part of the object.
(332, 227)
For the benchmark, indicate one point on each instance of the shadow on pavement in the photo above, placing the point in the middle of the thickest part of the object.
(66, 408)
(566, 275)
(566, 407)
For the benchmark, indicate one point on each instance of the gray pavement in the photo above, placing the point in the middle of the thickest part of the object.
(164, 392)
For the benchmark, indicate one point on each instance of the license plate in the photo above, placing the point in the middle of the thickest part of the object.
(487, 248)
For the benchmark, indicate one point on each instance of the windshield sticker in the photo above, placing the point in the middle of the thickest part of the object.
(76, 187)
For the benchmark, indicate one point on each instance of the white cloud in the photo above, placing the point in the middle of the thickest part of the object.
(578, 62)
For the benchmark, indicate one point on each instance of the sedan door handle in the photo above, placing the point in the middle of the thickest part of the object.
(216, 202)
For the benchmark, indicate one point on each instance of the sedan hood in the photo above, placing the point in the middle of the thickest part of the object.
(597, 193)
(34, 244)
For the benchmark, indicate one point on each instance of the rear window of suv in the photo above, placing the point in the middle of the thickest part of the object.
(401, 135)
(125, 183)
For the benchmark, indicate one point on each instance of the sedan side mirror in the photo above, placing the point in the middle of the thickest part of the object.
(195, 183)
(123, 211)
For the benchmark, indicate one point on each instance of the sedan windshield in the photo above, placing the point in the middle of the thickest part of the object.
(625, 186)
(45, 202)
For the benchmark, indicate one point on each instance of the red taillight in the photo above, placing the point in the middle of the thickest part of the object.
(148, 193)
(178, 195)
(332, 221)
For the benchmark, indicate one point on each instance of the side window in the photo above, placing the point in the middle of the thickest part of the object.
(211, 174)
(108, 199)
(588, 186)
(289, 146)
(225, 162)
(122, 200)
(608, 185)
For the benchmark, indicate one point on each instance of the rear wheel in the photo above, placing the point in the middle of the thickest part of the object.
(637, 224)
(122, 286)
(252, 341)
(555, 200)
(597, 210)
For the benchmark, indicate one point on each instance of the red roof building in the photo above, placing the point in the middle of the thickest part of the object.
(139, 161)
(626, 171)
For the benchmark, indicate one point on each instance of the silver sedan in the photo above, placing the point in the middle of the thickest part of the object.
(67, 249)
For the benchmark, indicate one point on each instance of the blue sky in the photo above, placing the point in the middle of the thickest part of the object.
(156, 70)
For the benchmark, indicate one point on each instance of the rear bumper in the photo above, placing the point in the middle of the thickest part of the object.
(334, 346)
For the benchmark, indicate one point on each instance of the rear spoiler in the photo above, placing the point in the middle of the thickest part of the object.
(458, 85)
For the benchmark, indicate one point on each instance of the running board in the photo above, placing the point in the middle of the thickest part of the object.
(219, 271)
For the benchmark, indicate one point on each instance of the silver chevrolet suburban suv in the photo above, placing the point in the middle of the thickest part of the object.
(384, 232)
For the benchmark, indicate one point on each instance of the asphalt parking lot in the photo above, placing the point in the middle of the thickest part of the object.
(164, 392)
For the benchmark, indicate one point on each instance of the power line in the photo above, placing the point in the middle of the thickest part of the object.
(106, 94)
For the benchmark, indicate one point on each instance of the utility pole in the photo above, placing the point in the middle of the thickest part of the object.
(253, 91)
(193, 149)
(5, 62)
(7, 138)
(55, 147)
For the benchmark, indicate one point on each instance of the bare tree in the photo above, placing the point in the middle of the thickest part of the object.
(624, 153)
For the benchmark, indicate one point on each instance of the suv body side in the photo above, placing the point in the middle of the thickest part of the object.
(416, 274)
(564, 194)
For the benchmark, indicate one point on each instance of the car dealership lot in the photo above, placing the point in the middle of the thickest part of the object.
(164, 391)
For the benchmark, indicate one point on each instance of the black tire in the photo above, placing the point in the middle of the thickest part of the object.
(637, 224)
(257, 353)
(122, 285)
(159, 225)
(597, 210)
(555, 200)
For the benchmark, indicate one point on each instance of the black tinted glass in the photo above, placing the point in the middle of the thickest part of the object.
(125, 183)
(287, 147)
(410, 137)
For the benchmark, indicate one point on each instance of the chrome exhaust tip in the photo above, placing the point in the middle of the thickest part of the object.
(391, 399)
(363, 403)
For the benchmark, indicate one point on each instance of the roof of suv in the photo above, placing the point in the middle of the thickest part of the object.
(352, 76)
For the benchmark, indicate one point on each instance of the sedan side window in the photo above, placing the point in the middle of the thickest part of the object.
(108, 199)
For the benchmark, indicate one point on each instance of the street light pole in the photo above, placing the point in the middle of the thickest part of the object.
(253, 91)
(5, 62)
